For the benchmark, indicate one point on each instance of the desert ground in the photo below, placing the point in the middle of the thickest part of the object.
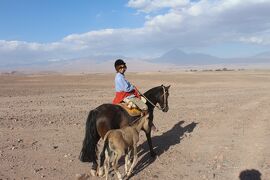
(218, 124)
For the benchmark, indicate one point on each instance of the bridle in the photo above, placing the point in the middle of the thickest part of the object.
(158, 105)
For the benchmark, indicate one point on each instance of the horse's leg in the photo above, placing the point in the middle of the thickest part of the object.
(107, 164)
(149, 140)
(147, 131)
(94, 167)
(102, 159)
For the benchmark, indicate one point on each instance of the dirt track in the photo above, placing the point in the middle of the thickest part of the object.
(217, 126)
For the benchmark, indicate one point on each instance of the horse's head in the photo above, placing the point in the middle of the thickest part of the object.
(158, 95)
(163, 98)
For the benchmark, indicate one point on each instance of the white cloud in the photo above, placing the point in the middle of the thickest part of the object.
(165, 23)
(153, 5)
(184, 24)
(7, 46)
(260, 40)
(252, 40)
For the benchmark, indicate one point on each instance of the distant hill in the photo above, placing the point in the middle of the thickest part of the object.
(264, 55)
(98, 64)
(180, 57)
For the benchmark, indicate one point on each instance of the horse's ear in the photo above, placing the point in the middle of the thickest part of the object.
(161, 85)
(168, 86)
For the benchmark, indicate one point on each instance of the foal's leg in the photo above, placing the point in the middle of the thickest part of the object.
(127, 161)
(115, 164)
(113, 157)
(135, 157)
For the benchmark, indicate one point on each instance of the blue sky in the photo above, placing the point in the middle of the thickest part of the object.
(51, 20)
(33, 30)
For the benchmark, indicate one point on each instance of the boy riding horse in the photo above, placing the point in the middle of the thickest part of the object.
(125, 91)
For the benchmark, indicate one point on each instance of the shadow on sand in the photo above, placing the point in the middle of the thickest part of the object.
(162, 143)
(250, 174)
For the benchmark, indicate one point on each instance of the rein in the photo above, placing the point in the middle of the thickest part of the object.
(136, 120)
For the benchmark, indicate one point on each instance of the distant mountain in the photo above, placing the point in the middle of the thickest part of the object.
(180, 57)
(57, 64)
(264, 55)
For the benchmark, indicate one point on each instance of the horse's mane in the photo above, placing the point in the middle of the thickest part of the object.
(150, 91)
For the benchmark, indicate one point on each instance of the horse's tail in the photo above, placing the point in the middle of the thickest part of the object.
(88, 152)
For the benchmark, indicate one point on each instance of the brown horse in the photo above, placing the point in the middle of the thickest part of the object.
(110, 116)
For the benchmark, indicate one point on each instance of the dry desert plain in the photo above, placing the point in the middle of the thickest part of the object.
(218, 124)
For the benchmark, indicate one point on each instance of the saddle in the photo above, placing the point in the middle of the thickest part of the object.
(131, 111)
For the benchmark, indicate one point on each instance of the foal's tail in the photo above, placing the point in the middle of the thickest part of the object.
(88, 152)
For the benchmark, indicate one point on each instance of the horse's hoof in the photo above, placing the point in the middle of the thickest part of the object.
(82, 177)
(153, 154)
(93, 172)
(100, 172)
(129, 174)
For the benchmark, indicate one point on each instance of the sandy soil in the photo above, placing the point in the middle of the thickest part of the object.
(217, 126)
